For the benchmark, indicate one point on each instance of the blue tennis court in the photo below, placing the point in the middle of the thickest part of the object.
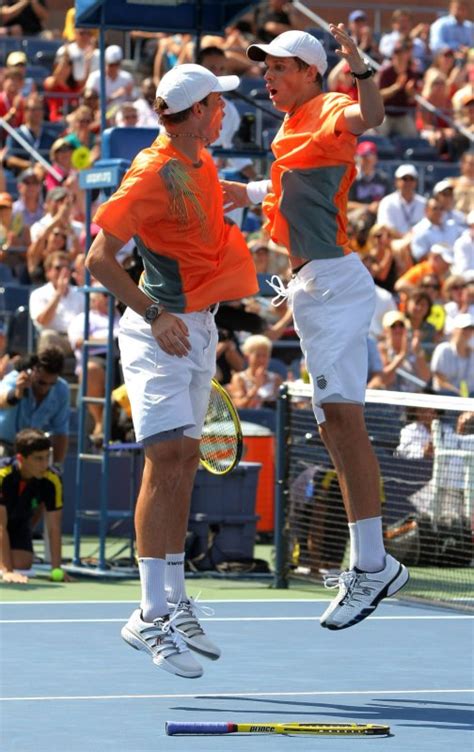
(70, 683)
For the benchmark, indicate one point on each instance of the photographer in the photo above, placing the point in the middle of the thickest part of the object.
(34, 396)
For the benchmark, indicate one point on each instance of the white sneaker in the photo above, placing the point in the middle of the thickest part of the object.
(188, 626)
(161, 640)
(361, 592)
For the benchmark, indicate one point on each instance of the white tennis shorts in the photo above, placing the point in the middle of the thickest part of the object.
(166, 392)
(333, 302)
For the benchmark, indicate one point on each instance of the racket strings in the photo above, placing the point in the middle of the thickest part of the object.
(218, 446)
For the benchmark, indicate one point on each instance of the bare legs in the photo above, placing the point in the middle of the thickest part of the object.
(345, 437)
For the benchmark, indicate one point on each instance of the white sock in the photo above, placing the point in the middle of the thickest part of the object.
(174, 578)
(371, 550)
(354, 548)
(152, 578)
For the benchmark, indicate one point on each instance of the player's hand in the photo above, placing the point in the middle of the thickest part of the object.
(347, 48)
(15, 577)
(172, 334)
(235, 194)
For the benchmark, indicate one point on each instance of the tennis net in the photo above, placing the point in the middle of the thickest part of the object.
(425, 448)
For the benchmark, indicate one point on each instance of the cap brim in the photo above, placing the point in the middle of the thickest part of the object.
(227, 83)
(258, 52)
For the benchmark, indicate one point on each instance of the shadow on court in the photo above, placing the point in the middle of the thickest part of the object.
(425, 713)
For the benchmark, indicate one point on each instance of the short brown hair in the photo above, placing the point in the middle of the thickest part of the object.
(53, 258)
(160, 106)
(31, 440)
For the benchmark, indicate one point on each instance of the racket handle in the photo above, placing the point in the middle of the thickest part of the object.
(187, 727)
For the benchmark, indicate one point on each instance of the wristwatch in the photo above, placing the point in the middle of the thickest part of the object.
(367, 73)
(152, 312)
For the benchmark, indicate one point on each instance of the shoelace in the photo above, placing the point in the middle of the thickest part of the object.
(172, 637)
(188, 613)
(344, 579)
(276, 283)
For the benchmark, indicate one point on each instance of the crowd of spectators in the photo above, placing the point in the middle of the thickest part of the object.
(411, 207)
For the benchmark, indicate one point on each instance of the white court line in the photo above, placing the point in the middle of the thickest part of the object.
(233, 618)
(219, 695)
(212, 600)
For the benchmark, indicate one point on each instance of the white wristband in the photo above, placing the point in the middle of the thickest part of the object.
(257, 190)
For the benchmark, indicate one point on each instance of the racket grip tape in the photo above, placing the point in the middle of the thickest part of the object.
(187, 727)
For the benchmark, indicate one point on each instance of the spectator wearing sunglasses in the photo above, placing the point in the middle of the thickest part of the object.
(459, 292)
(54, 305)
(436, 265)
(433, 228)
(403, 208)
(35, 396)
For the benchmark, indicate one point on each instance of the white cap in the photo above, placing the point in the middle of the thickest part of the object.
(293, 44)
(463, 320)
(442, 250)
(470, 217)
(406, 170)
(113, 54)
(187, 84)
(442, 186)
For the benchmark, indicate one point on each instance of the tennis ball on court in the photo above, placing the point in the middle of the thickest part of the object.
(57, 575)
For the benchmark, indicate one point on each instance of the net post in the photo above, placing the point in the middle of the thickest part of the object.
(281, 489)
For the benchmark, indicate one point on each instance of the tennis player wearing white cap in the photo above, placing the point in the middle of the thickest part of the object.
(331, 292)
(170, 202)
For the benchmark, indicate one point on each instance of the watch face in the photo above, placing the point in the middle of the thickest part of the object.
(151, 313)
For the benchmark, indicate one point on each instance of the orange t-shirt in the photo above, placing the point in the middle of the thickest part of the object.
(415, 274)
(193, 257)
(311, 176)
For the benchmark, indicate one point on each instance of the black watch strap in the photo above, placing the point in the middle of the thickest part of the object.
(366, 74)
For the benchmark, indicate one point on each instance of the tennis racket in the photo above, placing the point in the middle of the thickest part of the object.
(221, 441)
(323, 729)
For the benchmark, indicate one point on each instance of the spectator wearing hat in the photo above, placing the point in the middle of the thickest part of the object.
(399, 81)
(464, 248)
(402, 355)
(54, 305)
(64, 79)
(455, 291)
(402, 28)
(17, 61)
(31, 18)
(60, 156)
(403, 208)
(29, 204)
(443, 191)
(454, 31)
(11, 100)
(371, 184)
(118, 83)
(361, 33)
(452, 364)
(433, 228)
(34, 131)
(438, 264)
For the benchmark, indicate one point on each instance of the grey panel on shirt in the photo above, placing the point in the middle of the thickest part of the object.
(307, 203)
(162, 280)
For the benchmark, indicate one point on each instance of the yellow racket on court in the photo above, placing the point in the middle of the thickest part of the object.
(323, 729)
(221, 441)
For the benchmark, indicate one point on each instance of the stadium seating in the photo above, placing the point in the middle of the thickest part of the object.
(125, 143)
(385, 147)
(414, 148)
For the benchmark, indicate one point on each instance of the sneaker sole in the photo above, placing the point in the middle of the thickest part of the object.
(131, 639)
(392, 587)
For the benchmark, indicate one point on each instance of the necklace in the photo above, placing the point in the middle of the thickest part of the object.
(187, 135)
